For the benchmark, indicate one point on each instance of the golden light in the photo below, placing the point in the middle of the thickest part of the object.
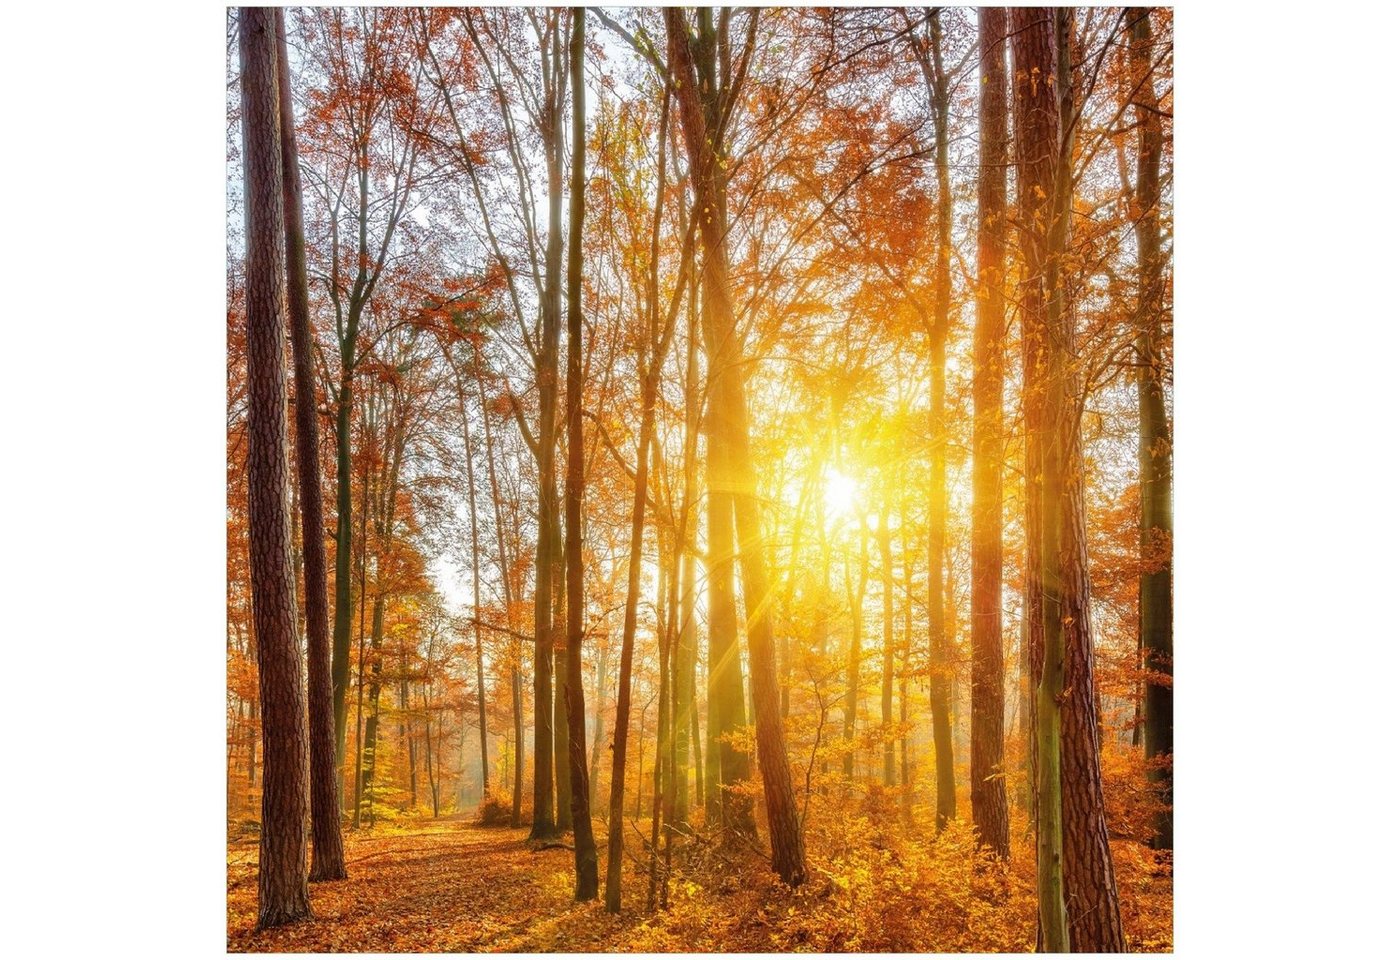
(839, 495)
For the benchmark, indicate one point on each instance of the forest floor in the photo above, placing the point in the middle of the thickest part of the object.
(450, 885)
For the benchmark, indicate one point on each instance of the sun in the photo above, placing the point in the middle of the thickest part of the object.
(839, 494)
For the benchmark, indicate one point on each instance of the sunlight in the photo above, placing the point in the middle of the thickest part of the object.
(839, 494)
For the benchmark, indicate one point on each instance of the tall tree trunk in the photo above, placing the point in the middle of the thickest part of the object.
(613, 891)
(887, 646)
(660, 774)
(1037, 151)
(704, 138)
(563, 806)
(327, 848)
(585, 850)
(547, 376)
(370, 750)
(1154, 434)
(686, 644)
(360, 645)
(395, 439)
(1074, 863)
(282, 888)
(428, 751)
(855, 600)
(406, 731)
(517, 697)
(600, 691)
(989, 812)
(476, 577)
(939, 647)
(906, 772)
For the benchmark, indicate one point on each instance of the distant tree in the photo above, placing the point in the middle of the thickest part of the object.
(282, 888)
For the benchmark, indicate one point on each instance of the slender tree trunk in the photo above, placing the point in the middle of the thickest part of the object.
(395, 438)
(940, 655)
(686, 644)
(613, 891)
(729, 412)
(428, 752)
(660, 775)
(1154, 434)
(517, 693)
(360, 645)
(327, 849)
(906, 772)
(600, 691)
(547, 375)
(585, 850)
(476, 580)
(282, 888)
(887, 647)
(406, 730)
(855, 600)
(989, 812)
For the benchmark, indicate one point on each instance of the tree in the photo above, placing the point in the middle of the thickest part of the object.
(930, 54)
(282, 888)
(327, 850)
(1074, 864)
(988, 686)
(649, 359)
(585, 851)
(367, 175)
(1154, 433)
(703, 127)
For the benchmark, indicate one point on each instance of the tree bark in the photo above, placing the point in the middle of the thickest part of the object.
(282, 887)
(704, 138)
(855, 600)
(547, 377)
(585, 850)
(940, 654)
(882, 537)
(327, 848)
(1154, 434)
(1079, 899)
(517, 706)
(989, 810)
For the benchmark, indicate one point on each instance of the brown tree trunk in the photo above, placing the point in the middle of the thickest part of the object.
(1154, 435)
(547, 377)
(327, 848)
(989, 813)
(882, 537)
(1061, 635)
(517, 706)
(939, 646)
(585, 850)
(730, 430)
(855, 600)
(282, 888)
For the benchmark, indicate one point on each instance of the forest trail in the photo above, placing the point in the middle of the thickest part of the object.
(444, 885)
(451, 885)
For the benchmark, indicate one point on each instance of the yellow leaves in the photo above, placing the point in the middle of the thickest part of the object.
(875, 885)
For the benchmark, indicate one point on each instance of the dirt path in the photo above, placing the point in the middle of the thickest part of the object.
(445, 886)
(452, 886)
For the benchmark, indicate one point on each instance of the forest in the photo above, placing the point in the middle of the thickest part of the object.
(699, 479)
